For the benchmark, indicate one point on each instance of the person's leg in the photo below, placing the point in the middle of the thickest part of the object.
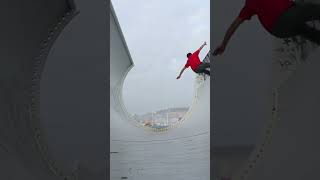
(202, 68)
(309, 11)
(310, 33)
(293, 21)
(205, 65)
(206, 72)
(285, 26)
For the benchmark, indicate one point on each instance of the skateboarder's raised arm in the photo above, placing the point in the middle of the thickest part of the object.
(231, 30)
(205, 43)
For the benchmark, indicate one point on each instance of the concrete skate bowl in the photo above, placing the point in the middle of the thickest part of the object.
(36, 41)
(146, 153)
(198, 84)
(120, 70)
(29, 31)
(179, 152)
(73, 104)
(290, 149)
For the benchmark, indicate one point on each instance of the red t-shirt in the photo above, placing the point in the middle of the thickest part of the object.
(268, 11)
(193, 61)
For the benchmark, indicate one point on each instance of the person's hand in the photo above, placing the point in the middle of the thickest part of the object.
(219, 50)
(178, 77)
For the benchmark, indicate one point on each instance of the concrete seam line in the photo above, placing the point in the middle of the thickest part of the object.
(35, 89)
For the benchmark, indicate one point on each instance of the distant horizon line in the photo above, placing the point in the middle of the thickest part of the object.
(161, 110)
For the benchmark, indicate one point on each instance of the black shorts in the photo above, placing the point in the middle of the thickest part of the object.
(202, 67)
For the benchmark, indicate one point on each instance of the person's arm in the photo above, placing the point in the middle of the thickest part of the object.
(245, 14)
(184, 68)
(231, 30)
(205, 43)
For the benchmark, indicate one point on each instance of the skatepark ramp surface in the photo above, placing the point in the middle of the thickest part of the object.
(28, 32)
(287, 148)
(49, 74)
(141, 153)
(290, 148)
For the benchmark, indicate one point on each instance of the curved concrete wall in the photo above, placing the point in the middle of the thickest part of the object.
(141, 153)
(28, 32)
(242, 78)
(73, 93)
(53, 84)
(241, 90)
(289, 148)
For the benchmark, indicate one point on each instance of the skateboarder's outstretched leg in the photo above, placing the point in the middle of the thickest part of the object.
(309, 12)
(206, 72)
(202, 68)
(310, 33)
(294, 21)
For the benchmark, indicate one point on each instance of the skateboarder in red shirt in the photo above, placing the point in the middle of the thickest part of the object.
(281, 18)
(195, 63)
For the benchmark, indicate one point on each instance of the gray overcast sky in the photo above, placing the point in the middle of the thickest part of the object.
(159, 34)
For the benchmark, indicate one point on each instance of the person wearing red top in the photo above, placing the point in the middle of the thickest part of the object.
(281, 18)
(195, 63)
